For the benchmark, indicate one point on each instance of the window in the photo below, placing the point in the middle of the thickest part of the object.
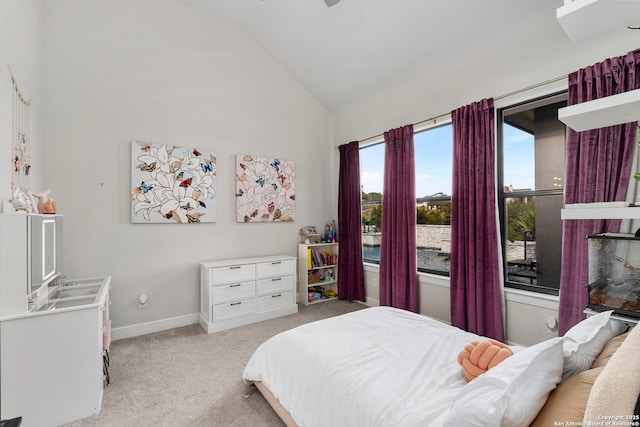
(371, 180)
(433, 156)
(434, 165)
(531, 146)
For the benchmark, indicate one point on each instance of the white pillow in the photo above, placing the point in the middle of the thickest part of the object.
(511, 393)
(587, 339)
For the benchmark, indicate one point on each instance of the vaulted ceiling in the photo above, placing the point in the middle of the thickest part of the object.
(344, 52)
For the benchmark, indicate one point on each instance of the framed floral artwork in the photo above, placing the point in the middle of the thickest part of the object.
(172, 184)
(265, 189)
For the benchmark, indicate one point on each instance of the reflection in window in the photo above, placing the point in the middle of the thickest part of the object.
(532, 142)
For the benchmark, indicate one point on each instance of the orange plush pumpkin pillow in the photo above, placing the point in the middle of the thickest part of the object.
(480, 356)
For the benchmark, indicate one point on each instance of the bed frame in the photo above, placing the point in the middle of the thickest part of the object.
(275, 404)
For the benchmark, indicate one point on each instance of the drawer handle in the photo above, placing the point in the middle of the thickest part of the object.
(276, 262)
(236, 303)
(275, 279)
(234, 267)
(235, 286)
(276, 296)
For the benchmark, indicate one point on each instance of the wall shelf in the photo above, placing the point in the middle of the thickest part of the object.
(608, 111)
(585, 20)
(601, 212)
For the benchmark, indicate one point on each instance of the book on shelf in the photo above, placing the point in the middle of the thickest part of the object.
(320, 259)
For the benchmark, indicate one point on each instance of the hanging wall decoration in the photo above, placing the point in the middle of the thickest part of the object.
(172, 184)
(21, 155)
(265, 189)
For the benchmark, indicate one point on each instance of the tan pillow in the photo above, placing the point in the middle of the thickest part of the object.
(609, 348)
(616, 389)
(568, 401)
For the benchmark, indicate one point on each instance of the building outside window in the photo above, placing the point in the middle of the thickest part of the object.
(531, 147)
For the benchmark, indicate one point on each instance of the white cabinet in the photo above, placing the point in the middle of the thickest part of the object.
(317, 272)
(236, 292)
(51, 359)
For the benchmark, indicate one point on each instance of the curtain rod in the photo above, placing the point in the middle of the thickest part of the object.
(375, 139)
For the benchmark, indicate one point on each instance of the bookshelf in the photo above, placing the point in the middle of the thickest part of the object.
(317, 272)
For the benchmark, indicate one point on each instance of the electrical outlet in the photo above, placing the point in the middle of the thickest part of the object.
(143, 301)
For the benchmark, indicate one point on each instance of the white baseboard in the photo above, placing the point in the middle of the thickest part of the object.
(155, 326)
(371, 302)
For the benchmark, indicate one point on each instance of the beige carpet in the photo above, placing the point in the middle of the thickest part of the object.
(186, 377)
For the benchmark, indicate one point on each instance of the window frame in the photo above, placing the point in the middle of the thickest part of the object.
(431, 124)
(502, 195)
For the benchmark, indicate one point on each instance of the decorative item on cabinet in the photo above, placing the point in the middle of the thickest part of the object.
(330, 235)
(45, 204)
(309, 234)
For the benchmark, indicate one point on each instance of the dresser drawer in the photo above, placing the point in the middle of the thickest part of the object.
(275, 285)
(273, 302)
(275, 268)
(232, 273)
(233, 309)
(232, 292)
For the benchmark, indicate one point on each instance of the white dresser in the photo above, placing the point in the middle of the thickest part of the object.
(236, 292)
(51, 358)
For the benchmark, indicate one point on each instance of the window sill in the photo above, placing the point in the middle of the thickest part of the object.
(535, 299)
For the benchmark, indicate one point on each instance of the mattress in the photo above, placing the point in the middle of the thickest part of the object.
(378, 366)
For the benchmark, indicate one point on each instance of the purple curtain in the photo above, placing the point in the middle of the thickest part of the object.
(476, 298)
(598, 168)
(398, 269)
(350, 265)
(398, 259)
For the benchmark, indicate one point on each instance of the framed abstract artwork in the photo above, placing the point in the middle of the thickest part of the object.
(265, 189)
(172, 184)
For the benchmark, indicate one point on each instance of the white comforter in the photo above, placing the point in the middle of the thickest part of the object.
(378, 366)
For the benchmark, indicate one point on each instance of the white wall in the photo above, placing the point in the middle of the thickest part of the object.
(164, 72)
(105, 72)
(547, 53)
(21, 49)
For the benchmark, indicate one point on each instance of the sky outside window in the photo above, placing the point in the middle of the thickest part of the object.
(434, 161)
(519, 158)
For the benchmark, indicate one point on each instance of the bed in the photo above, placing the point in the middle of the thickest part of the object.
(382, 366)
